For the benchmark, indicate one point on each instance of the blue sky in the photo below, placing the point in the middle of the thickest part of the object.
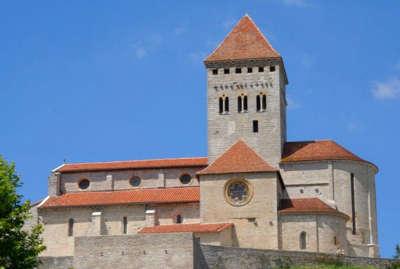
(116, 80)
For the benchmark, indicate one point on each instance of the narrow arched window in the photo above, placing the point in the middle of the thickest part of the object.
(221, 105)
(71, 227)
(239, 104)
(179, 219)
(303, 240)
(245, 103)
(258, 103)
(264, 102)
(226, 104)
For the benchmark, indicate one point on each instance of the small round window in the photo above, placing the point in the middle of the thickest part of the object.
(185, 178)
(238, 192)
(135, 181)
(84, 184)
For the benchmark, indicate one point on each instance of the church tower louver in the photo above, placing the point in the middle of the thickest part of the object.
(246, 82)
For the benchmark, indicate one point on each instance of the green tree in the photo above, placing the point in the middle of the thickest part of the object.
(397, 253)
(19, 248)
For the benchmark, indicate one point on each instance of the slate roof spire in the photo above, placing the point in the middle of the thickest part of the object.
(245, 41)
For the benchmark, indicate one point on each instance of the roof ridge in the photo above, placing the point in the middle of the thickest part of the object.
(159, 159)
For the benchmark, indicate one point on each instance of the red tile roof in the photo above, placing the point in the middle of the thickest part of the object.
(239, 158)
(160, 195)
(140, 164)
(307, 206)
(245, 41)
(317, 151)
(182, 228)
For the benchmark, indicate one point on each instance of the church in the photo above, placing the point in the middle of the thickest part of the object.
(255, 189)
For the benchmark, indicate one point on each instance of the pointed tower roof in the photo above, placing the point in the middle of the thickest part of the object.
(245, 41)
(239, 158)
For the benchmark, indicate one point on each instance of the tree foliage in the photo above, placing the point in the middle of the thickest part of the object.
(19, 248)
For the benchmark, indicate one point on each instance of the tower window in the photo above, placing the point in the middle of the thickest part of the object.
(226, 104)
(238, 70)
(260, 69)
(249, 69)
(71, 227)
(215, 71)
(272, 68)
(239, 104)
(223, 104)
(124, 225)
(261, 102)
(264, 102)
(353, 206)
(242, 103)
(226, 71)
(255, 126)
(303, 240)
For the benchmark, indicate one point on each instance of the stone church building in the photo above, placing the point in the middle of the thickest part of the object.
(255, 189)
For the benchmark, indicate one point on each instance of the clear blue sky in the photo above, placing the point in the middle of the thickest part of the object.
(117, 80)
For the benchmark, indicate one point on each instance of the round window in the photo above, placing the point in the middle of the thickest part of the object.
(238, 192)
(135, 181)
(185, 178)
(84, 184)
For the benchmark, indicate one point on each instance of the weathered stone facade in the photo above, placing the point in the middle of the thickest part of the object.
(255, 189)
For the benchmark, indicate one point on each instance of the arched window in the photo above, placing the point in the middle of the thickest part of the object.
(226, 104)
(178, 219)
(303, 240)
(261, 102)
(71, 227)
(239, 104)
(245, 103)
(264, 102)
(221, 105)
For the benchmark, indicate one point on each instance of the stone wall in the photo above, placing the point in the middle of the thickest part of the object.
(213, 257)
(256, 223)
(324, 233)
(62, 262)
(226, 128)
(175, 250)
(119, 180)
(330, 181)
(55, 222)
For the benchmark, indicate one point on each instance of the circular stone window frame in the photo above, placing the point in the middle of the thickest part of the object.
(134, 177)
(238, 180)
(186, 174)
(81, 181)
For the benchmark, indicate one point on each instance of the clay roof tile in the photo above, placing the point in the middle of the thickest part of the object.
(245, 41)
(239, 158)
(146, 195)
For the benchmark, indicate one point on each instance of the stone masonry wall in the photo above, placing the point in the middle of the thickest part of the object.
(135, 251)
(226, 128)
(213, 257)
(330, 181)
(256, 223)
(119, 180)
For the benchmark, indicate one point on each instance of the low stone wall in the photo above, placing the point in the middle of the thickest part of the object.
(174, 250)
(213, 257)
(183, 250)
(65, 262)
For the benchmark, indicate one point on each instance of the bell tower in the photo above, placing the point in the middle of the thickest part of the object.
(246, 82)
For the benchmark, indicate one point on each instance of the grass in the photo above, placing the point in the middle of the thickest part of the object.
(330, 266)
